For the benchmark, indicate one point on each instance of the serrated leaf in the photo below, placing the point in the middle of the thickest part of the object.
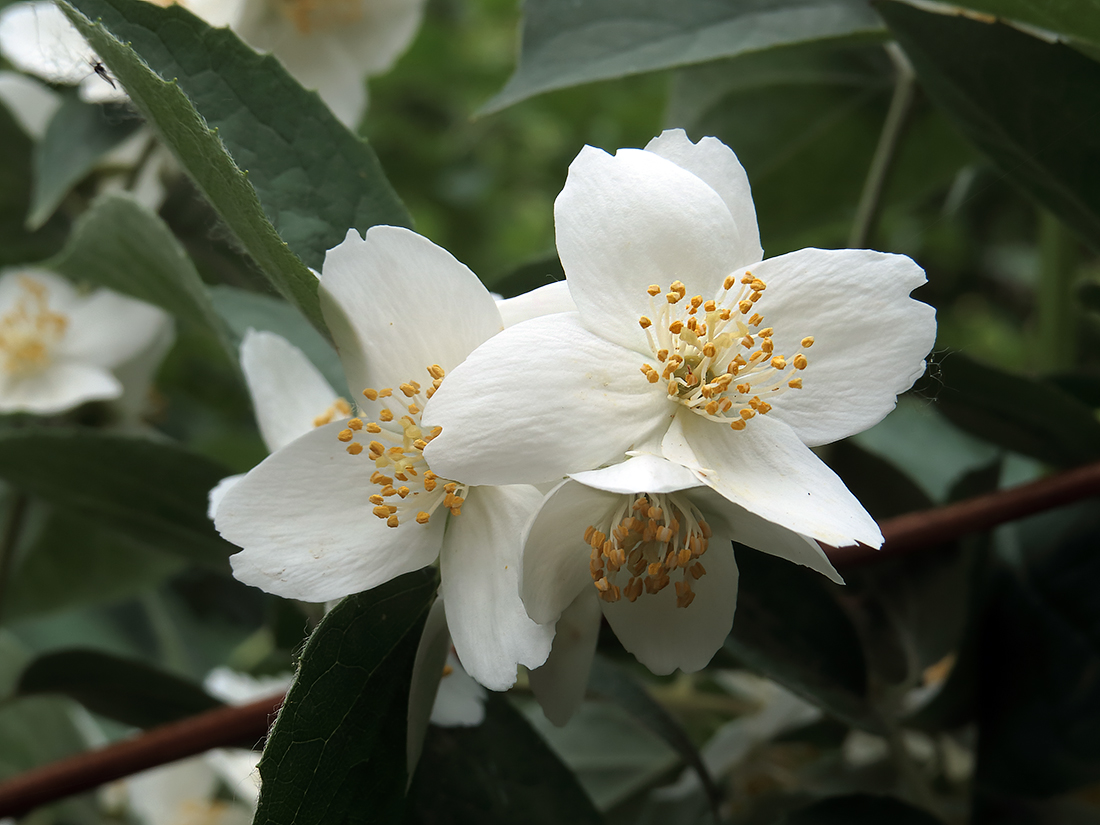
(612, 682)
(121, 245)
(78, 136)
(1027, 104)
(126, 690)
(790, 629)
(153, 490)
(566, 43)
(283, 173)
(337, 751)
(1000, 407)
(497, 773)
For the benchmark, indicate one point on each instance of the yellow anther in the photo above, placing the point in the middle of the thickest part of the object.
(709, 350)
(745, 307)
(664, 534)
(388, 491)
(422, 517)
(672, 297)
(402, 491)
(371, 395)
(710, 306)
(808, 341)
(382, 511)
(354, 448)
(737, 424)
(644, 322)
(766, 332)
(385, 392)
(795, 383)
(385, 415)
(341, 406)
(393, 521)
(420, 443)
(450, 486)
(654, 290)
(603, 585)
(755, 297)
(696, 301)
(662, 354)
(676, 327)
(747, 278)
(725, 314)
(763, 408)
(800, 362)
(589, 531)
(766, 346)
(356, 424)
(756, 320)
(729, 282)
(746, 413)
(435, 433)
(408, 389)
(376, 447)
(373, 428)
(345, 435)
(413, 409)
(436, 371)
(747, 341)
(758, 286)
(779, 362)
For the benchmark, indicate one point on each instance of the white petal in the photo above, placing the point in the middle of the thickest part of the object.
(32, 103)
(555, 554)
(718, 166)
(540, 400)
(560, 684)
(665, 637)
(763, 535)
(40, 40)
(287, 391)
(480, 566)
(322, 65)
(397, 304)
(137, 375)
(640, 474)
(307, 529)
(460, 702)
(546, 300)
(870, 337)
(431, 656)
(215, 496)
(61, 295)
(108, 329)
(767, 470)
(57, 388)
(632, 220)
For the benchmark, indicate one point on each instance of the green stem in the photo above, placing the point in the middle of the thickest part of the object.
(9, 542)
(1057, 323)
(871, 198)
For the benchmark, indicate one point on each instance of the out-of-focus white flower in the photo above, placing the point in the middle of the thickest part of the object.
(60, 348)
(31, 103)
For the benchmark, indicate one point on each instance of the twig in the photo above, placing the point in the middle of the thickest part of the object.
(248, 723)
(221, 727)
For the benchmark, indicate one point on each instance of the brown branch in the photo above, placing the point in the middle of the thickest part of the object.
(220, 727)
(248, 723)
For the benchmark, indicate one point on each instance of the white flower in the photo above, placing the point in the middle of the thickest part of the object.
(60, 348)
(32, 103)
(687, 345)
(327, 45)
(642, 541)
(352, 504)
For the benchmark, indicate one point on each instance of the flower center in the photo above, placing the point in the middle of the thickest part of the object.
(395, 443)
(310, 16)
(651, 536)
(30, 330)
(717, 362)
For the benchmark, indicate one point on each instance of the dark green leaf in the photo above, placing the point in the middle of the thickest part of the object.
(1077, 19)
(126, 690)
(789, 628)
(244, 310)
(1028, 104)
(337, 751)
(859, 809)
(609, 680)
(78, 137)
(152, 490)
(1025, 415)
(70, 561)
(121, 245)
(566, 43)
(34, 731)
(497, 773)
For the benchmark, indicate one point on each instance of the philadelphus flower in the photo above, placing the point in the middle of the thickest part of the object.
(60, 348)
(352, 503)
(716, 370)
(327, 45)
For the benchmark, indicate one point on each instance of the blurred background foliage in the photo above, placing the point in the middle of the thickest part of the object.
(956, 684)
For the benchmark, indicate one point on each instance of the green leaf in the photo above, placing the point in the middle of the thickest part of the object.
(859, 809)
(34, 731)
(497, 773)
(244, 310)
(54, 573)
(283, 173)
(566, 43)
(77, 138)
(154, 491)
(789, 628)
(337, 751)
(1025, 415)
(612, 682)
(123, 246)
(1076, 19)
(1027, 104)
(126, 690)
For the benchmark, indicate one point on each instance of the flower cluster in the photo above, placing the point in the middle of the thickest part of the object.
(601, 455)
